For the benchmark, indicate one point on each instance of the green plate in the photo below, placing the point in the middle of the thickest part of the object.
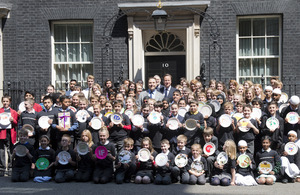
(42, 163)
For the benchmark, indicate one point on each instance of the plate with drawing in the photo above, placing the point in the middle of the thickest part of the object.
(42, 163)
(209, 148)
(244, 161)
(82, 116)
(154, 117)
(173, 123)
(144, 155)
(265, 167)
(116, 118)
(4, 118)
(82, 148)
(225, 120)
(243, 125)
(63, 157)
(124, 157)
(291, 148)
(137, 120)
(222, 158)
(190, 124)
(272, 123)
(238, 116)
(129, 113)
(161, 159)
(292, 117)
(197, 166)
(181, 160)
(101, 152)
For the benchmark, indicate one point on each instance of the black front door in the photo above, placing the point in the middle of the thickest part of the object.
(161, 65)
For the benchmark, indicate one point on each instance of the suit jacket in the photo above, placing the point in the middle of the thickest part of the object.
(170, 94)
(158, 96)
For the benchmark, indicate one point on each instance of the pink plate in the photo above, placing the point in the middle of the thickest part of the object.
(101, 152)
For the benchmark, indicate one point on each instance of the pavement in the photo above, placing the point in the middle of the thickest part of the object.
(7, 187)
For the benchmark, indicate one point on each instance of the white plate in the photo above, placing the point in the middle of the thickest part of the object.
(200, 104)
(161, 159)
(225, 120)
(137, 120)
(116, 119)
(197, 166)
(244, 122)
(82, 148)
(144, 155)
(284, 97)
(291, 148)
(4, 118)
(129, 113)
(238, 116)
(63, 157)
(182, 111)
(216, 104)
(29, 128)
(209, 148)
(124, 157)
(282, 106)
(154, 117)
(265, 167)
(22, 107)
(222, 158)
(190, 124)
(206, 110)
(256, 113)
(292, 117)
(173, 123)
(96, 123)
(20, 150)
(82, 116)
(272, 123)
(43, 122)
(181, 160)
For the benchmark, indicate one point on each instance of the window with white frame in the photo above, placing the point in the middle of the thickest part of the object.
(258, 48)
(72, 53)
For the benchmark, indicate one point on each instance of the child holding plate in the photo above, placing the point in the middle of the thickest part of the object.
(268, 162)
(197, 166)
(43, 161)
(245, 166)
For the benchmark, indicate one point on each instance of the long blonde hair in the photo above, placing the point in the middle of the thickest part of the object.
(230, 149)
(89, 135)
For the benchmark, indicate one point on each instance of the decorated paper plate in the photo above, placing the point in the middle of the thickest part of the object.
(173, 123)
(96, 123)
(22, 107)
(91, 109)
(244, 122)
(256, 113)
(82, 148)
(63, 157)
(108, 114)
(29, 128)
(272, 123)
(42, 163)
(265, 167)
(291, 148)
(292, 117)
(209, 148)
(222, 158)
(181, 160)
(129, 113)
(20, 150)
(101, 152)
(73, 109)
(116, 118)
(282, 106)
(190, 124)
(82, 116)
(225, 120)
(206, 110)
(216, 104)
(238, 116)
(124, 157)
(161, 159)
(4, 118)
(182, 111)
(197, 166)
(154, 117)
(244, 161)
(144, 155)
(43, 122)
(284, 97)
(137, 120)
(200, 104)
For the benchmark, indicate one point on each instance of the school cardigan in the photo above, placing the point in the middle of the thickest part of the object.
(14, 123)
(107, 162)
(47, 153)
(192, 135)
(118, 134)
(270, 156)
(23, 161)
(67, 166)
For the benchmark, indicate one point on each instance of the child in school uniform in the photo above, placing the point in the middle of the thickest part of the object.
(224, 175)
(22, 164)
(197, 176)
(124, 170)
(8, 136)
(145, 170)
(244, 175)
(267, 154)
(104, 168)
(65, 172)
(97, 113)
(85, 163)
(181, 173)
(290, 163)
(163, 173)
(44, 151)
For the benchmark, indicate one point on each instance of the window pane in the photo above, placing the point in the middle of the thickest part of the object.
(73, 52)
(259, 47)
(59, 33)
(73, 33)
(61, 75)
(60, 53)
(258, 66)
(245, 27)
(256, 80)
(86, 33)
(244, 67)
(86, 71)
(74, 71)
(87, 52)
(245, 47)
(259, 27)
(272, 26)
(273, 46)
(272, 67)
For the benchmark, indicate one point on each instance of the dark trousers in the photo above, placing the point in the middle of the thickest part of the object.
(20, 174)
(64, 175)
(84, 175)
(124, 173)
(102, 175)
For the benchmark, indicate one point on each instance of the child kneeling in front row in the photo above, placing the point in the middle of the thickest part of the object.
(197, 176)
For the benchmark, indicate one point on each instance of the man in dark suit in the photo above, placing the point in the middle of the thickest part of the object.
(167, 90)
(151, 92)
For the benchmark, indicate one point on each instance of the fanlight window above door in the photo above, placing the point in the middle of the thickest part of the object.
(164, 42)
